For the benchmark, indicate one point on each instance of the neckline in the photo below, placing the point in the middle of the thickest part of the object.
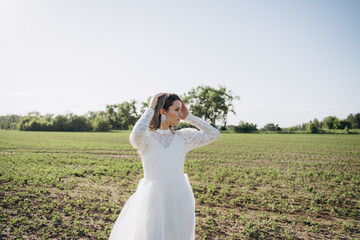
(162, 130)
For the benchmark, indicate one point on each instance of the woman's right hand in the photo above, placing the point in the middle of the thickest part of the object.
(154, 100)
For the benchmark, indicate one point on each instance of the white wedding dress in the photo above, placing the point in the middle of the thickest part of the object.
(163, 206)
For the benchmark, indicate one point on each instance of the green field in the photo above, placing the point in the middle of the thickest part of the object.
(57, 185)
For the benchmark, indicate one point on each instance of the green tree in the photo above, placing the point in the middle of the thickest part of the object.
(290, 129)
(34, 114)
(313, 128)
(101, 124)
(23, 123)
(122, 115)
(127, 114)
(210, 103)
(337, 123)
(317, 122)
(9, 121)
(61, 123)
(245, 127)
(92, 115)
(344, 123)
(272, 127)
(111, 111)
(34, 123)
(48, 117)
(304, 126)
(79, 124)
(145, 104)
(354, 120)
(331, 122)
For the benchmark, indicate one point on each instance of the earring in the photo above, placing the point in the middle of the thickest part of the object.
(163, 118)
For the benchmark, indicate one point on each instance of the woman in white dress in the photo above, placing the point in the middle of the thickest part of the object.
(163, 206)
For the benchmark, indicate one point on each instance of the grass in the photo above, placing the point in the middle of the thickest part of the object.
(57, 185)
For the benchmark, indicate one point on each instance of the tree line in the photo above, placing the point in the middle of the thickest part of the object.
(211, 104)
(313, 126)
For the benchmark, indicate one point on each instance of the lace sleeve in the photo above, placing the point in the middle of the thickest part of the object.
(194, 138)
(139, 134)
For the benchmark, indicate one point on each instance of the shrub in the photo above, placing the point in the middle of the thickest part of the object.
(245, 127)
(223, 128)
(272, 127)
(347, 129)
(101, 125)
(290, 129)
(79, 124)
(61, 123)
(312, 128)
(22, 125)
(344, 124)
(331, 122)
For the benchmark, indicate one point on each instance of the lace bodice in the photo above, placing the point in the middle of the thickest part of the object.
(164, 137)
(192, 138)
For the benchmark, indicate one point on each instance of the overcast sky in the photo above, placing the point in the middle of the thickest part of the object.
(289, 61)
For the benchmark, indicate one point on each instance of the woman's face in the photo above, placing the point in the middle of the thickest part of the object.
(174, 113)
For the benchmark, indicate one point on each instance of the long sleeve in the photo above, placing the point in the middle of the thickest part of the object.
(139, 134)
(194, 138)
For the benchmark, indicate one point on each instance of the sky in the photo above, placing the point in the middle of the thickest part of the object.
(288, 61)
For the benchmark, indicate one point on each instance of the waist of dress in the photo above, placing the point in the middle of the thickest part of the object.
(170, 177)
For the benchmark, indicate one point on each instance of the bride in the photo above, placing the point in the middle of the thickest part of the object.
(163, 206)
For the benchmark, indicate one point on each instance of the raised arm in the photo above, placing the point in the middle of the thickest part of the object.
(194, 138)
(139, 134)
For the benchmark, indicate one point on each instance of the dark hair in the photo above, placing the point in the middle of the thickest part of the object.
(172, 97)
(164, 101)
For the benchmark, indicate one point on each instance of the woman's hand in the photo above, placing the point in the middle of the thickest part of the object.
(184, 110)
(154, 100)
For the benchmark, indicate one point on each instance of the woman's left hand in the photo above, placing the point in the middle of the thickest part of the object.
(184, 110)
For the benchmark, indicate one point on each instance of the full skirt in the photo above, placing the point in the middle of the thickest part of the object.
(160, 209)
